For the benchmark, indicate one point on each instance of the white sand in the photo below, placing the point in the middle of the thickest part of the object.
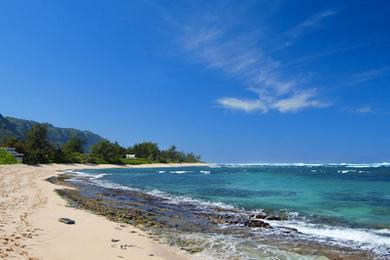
(29, 227)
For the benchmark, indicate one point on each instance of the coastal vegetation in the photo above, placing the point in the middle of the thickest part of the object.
(6, 158)
(38, 148)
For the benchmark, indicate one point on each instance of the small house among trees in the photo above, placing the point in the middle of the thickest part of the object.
(14, 153)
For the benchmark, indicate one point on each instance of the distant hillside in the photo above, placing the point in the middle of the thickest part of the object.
(17, 128)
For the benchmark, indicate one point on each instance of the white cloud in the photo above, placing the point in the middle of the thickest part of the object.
(219, 47)
(369, 75)
(319, 54)
(360, 110)
(243, 105)
(310, 23)
(364, 109)
(298, 102)
(292, 103)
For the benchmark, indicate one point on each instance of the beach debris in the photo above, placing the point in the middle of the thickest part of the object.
(114, 240)
(67, 221)
(125, 246)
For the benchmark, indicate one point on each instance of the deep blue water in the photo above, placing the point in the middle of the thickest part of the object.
(345, 202)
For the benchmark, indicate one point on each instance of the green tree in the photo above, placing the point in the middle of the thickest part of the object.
(73, 145)
(38, 148)
(59, 156)
(71, 151)
(171, 154)
(190, 157)
(107, 152)
(147, 150)
(6, 158)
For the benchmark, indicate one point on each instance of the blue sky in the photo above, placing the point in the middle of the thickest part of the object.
(234, 81)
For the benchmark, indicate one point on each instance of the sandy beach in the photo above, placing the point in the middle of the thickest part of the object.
(29, 226)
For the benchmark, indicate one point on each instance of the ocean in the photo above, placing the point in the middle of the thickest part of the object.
(345, 206)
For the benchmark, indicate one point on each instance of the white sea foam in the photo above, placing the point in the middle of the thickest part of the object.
(174, 199)
(346, 171)
(89, 175)
(75, 172)
(349, 165)
(214, 165)
(205, 172)
(161, 171)
(111, 185)
(369, 239)
(223, 246)
(179, 172)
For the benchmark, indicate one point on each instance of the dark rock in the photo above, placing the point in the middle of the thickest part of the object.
(67, 221)
(273, 218)
(114, 240)
(288, 230)
(257, 223)
(258, 216)
(233, 221)
(195, 250)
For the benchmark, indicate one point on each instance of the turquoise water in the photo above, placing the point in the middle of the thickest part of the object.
(342, 202)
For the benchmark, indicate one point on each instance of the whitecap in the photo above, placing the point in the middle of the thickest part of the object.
(371, 239)
(88, 175)
(349, 165)
(179, 172)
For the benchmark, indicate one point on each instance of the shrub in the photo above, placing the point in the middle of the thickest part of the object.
(6, 158)
(135, 161)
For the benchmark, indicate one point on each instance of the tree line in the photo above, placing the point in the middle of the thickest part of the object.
(37, 149)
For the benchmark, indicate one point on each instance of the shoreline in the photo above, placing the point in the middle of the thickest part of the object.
(29, 226)
(189, 225)
(130, 225)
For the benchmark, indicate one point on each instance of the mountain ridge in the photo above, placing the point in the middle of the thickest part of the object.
(18, 128)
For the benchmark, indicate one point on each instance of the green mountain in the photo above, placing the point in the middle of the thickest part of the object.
(17, 128)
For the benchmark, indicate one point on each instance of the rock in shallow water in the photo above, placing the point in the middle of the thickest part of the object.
(257, 223)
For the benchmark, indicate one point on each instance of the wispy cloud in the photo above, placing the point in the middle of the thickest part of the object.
(320, 54)
(240, 55)
(298, 102)
(243, 104)
(310, 23)
(369, 75)
(363, 109)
